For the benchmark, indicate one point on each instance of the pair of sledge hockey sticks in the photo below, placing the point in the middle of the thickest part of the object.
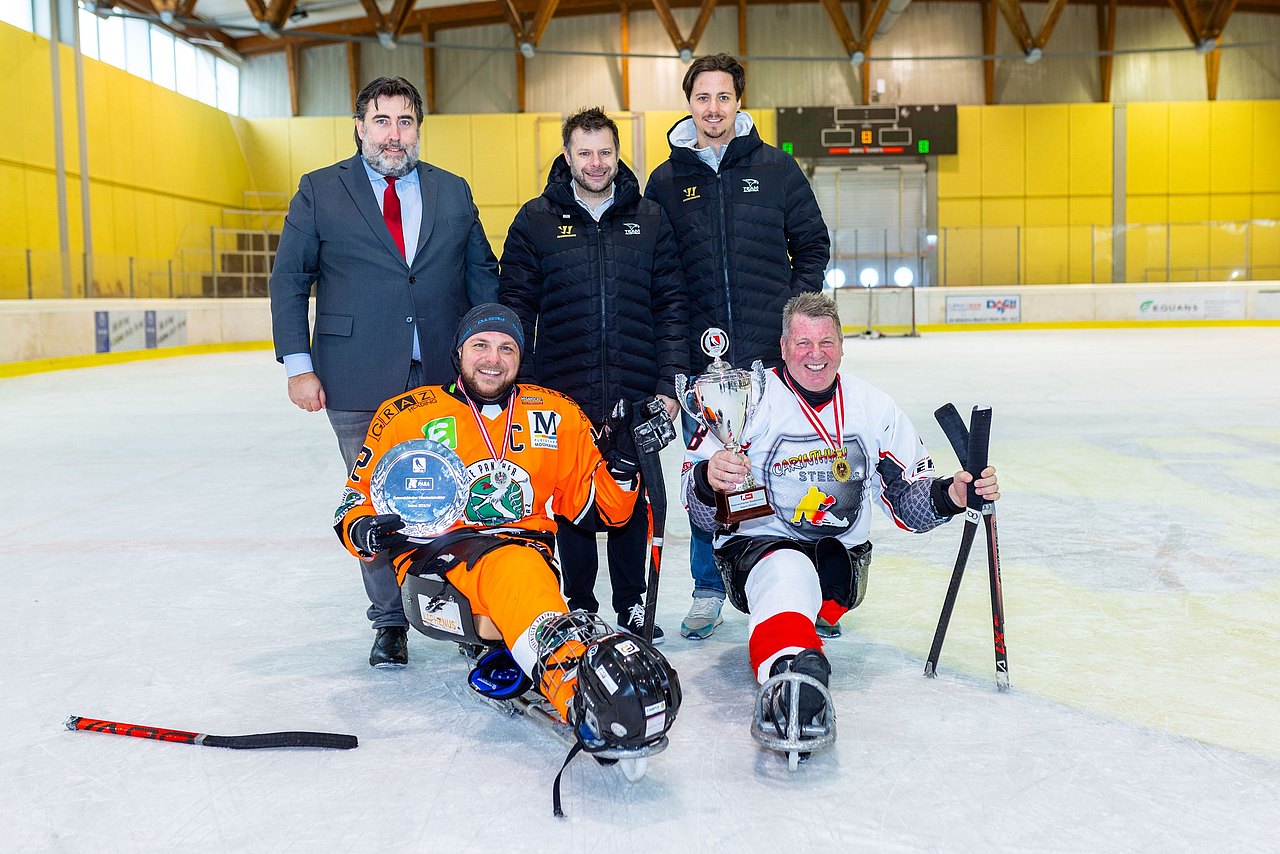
(331, 740)
(971, 446)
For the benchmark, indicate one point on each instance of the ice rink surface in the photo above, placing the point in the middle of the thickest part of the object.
(167, 559)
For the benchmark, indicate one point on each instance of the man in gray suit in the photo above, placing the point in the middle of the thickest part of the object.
(397, 255)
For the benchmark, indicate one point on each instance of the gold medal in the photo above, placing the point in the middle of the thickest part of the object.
(840, 468)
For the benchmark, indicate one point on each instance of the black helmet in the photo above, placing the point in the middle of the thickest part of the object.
(627, 694)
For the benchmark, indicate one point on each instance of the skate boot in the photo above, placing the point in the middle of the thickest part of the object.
(827, 630)
(794, 711)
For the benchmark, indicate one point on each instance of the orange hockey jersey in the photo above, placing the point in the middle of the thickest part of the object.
(550, 459)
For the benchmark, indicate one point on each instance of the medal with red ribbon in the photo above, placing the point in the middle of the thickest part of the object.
(840, 463)
(499, 477)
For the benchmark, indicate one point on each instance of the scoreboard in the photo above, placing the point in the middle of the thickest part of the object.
(867, 131)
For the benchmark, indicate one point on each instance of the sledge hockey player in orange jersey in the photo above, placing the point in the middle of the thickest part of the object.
(529, 453)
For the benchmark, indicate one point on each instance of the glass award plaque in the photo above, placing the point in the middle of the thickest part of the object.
(423, 481)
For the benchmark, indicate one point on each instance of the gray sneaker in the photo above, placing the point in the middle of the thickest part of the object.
(703, 617)
(827, 630)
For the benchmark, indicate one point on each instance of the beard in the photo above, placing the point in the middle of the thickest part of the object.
(379, 161)
(581, 178)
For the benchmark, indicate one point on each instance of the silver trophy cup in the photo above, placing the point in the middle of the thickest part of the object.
(722, 399)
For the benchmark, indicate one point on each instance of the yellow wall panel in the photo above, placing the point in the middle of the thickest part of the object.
(70, 121)
(1228, 250)
(1230, 208)
(267, 150)
(656, 147)
(1189, 147)
(960, 175)
(1047, 212)
(36, 97)
(310, 146)
(124, 209)
(104, 217)
(1146, 209)
(1264, 250)
(766, 125)
(1089, 250)
(1003, 151)
(11, 46)
(1266, 205)
(1045, 255)
(41, 209)
(1188, 208)
(13, 218)
(1266, 131)
(493, 141)
(1001, 256)
(344, 140)
(1188, 252)
(446, 142)
(1048, 138)
(97, 116)
(1231, 146)
(1089, 210)
(998, 213)
(1090, 149)
(959, 213)
(960, 256)
(537, 143)
(1146, 148)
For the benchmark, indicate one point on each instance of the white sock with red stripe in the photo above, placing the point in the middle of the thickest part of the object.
(784, 597)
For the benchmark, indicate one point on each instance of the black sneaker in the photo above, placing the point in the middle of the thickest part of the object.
(632, 620)
(390, 647)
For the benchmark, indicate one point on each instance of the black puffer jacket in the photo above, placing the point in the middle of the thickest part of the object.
(751, 237)
(603, 304)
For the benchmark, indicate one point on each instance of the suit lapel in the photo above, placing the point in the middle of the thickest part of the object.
(429, 185)
(357, 183)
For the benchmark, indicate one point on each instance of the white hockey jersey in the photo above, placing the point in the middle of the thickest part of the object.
(888, 466)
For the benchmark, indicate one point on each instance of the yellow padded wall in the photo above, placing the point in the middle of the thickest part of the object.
(11, 52)
(35, 95)
(1231, 146)
(311, 146)
(493, 144)
(656, 147)
(960, 174)
(1266, 132)
(267, 152)
(1003, 152)
(1146, 149)
(1090, 150)
(446, 142)
(1048, 138)
(1188, 148)
(537, 144)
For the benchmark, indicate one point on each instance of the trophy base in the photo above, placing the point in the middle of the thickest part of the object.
(744, 504)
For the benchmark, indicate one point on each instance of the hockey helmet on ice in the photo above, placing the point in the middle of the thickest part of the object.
(627, 694)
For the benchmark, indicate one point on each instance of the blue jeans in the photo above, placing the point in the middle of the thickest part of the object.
(702, 566)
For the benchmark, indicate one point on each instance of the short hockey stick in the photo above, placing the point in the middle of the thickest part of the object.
(656, 494)
(974, 460)
(958, 435)
(330, 740)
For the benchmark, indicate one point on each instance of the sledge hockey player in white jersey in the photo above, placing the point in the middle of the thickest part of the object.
(825, 447)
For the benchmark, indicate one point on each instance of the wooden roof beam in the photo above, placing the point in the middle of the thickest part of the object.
(1017, 21)
(1052, 13)
(279, 11)
(1218, 17)
(1107, 44)
(399, 17)
(669, 24)
(700, 25)
(541, 18)
(841, 23)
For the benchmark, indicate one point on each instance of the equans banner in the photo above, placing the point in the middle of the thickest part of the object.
(1191, 305)
(984, 309)
(138, 330)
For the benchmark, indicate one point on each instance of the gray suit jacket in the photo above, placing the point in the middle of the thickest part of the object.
(367, 298)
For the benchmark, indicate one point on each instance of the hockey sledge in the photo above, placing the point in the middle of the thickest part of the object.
(796, 739)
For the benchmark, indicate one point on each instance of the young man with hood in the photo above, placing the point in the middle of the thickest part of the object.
(593, 271)
(751, 237)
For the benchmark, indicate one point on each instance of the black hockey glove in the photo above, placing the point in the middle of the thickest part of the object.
(617, 445)
(372, 534)
(653, 430)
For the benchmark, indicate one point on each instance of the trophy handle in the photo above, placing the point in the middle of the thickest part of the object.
(684, 396)
(758, 385)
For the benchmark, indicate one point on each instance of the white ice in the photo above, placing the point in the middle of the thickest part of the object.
(167, 559)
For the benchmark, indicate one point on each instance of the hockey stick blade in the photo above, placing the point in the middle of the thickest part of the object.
(328, 740)
(957, 433)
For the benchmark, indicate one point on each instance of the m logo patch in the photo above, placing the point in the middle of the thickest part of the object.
(442, 430)
(690, 193)
(543, 424)
(631, 228)
(750, 185)
(565, 231)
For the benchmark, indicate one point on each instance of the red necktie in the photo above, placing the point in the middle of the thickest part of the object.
(391, 213)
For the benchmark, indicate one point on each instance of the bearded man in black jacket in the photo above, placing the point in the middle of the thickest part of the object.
(751, 237)
(593, 271)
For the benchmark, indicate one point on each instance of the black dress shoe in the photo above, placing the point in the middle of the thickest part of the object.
(390, 647)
